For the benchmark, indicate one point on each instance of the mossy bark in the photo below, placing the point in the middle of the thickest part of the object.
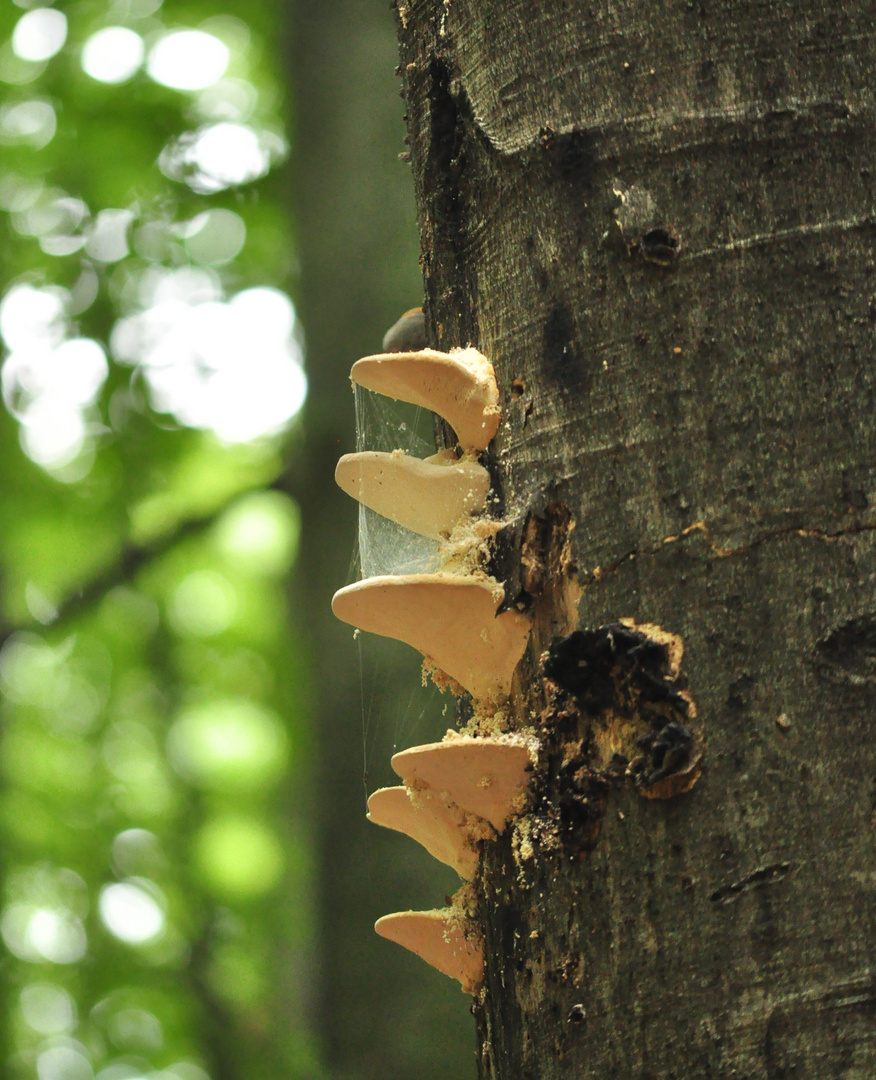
(656, 219)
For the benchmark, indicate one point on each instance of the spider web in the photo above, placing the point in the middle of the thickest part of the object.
(384, 547)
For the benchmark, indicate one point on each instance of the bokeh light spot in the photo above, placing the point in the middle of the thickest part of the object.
(32, 123)
(135, 1030)
(228, 744)
(228, 99)
(260, 533)
(215, 237)
(68, 1062)
(188, 60)
(137, 852)
(51, 434)
(29, 315)
(132, 912)
(233, 367)
(16, 71)
(220, 156)
(40, 34)
(49, 384)
(113, 55)
(43, 933)
(108, 241)
(230, 154)
(47, 1009)
(239, 858)
(203, 604)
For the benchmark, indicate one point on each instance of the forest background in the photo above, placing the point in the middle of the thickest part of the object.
(199, 204)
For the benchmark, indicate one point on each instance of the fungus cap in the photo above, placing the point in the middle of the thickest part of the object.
(438, 938)
(427, 496)
(483, 776)
(438, 826)
(451, 620)
(460, 386)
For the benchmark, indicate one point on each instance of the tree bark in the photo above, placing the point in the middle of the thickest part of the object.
(656, 219)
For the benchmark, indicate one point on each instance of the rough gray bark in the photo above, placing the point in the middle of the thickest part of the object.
(656, 218)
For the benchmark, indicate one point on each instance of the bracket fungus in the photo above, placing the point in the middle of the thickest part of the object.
(440, 828)
(462, 790)
(408, 334)
(460, 386)
(450, 619)
(482, 776)
(427, 496)
(440, 939)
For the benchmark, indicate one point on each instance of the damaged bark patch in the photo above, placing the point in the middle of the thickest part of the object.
(559, 340)
(660, 245)
(447, 142)
(546, 550)
(848, 654)
(635, 714)
(581, 802)
(548, 576)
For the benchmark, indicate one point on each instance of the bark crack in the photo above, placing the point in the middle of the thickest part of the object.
(760, 240)
(764, 875)
(675, 130)
(598, 573)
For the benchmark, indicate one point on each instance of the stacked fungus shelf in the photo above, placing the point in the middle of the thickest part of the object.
(461, 792)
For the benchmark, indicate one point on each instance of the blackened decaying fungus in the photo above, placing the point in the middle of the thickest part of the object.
(667, 751)
(618, 670)
(616, 666)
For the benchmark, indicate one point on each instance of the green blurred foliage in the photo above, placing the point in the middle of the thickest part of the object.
(157, 873)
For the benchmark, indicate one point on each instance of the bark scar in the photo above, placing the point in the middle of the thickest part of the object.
(600, 572)
(764, 875)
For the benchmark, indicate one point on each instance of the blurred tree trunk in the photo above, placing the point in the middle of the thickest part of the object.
(353, 206)
(657, 220)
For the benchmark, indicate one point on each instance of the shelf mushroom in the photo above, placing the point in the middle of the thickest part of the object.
(440, 828)
(427, 496)
(460, 386)
(458, 791)
(450, 619)
(482, 776)
(440, 939)
(407, 334)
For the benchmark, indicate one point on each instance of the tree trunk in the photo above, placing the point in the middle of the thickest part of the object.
(656, 219)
